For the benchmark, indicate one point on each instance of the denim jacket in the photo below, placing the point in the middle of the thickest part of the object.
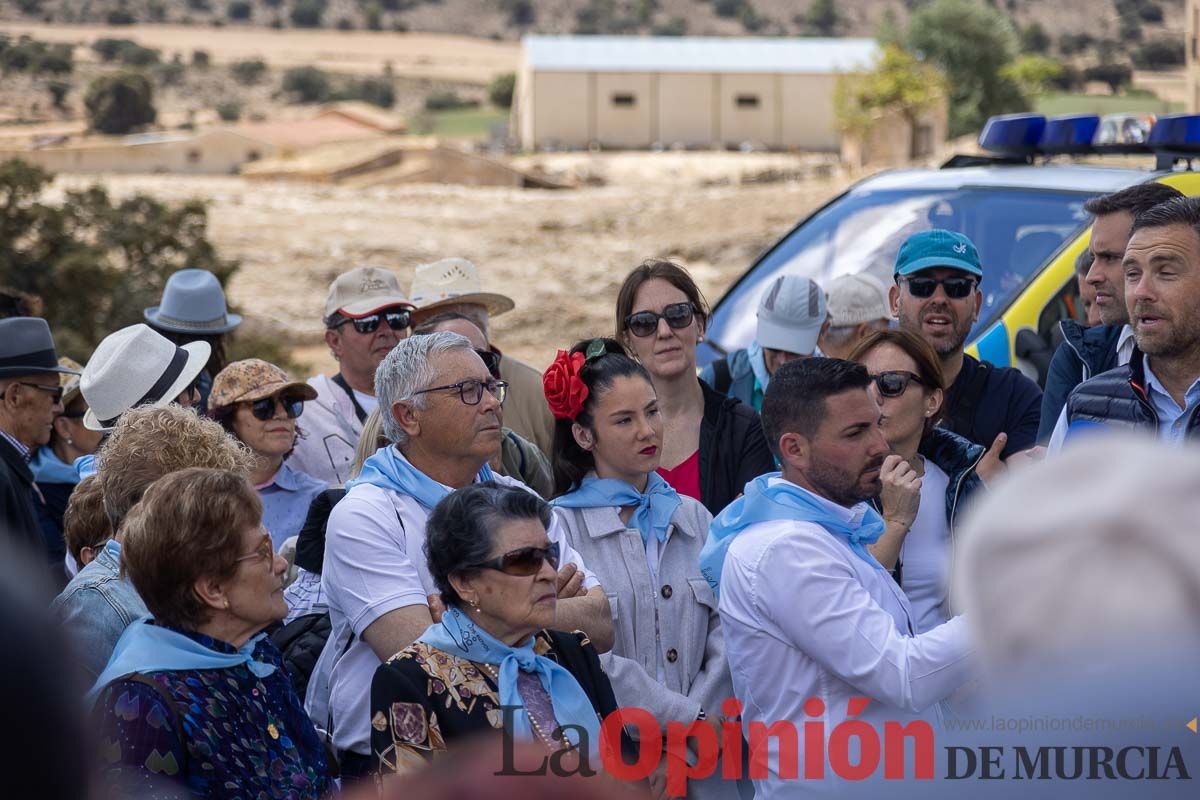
(96, 607)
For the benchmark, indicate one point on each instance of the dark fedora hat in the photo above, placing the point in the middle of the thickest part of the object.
(27, 348)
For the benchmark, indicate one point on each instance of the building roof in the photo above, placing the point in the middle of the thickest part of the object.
(300, 134)
(365, 114)
(745, 54)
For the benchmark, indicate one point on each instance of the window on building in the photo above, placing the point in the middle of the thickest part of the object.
(624, 100)
(746, 101)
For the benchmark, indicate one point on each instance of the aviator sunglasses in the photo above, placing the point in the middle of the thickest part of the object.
(264, 409)
(397, 319)
(894, 382)
(523, 562)
(645, 323)
(956, 288)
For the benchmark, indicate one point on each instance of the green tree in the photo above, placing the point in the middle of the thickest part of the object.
(822, 18)
(248, 71)
(500, 91)
(1034, 74)
(120, 102)
(971, 44)
(306, 84)
(240, 10)
(308, 13)
(1117, 76)
(1161, 53)
(1034, 39)
(95, 262)
(898, 83)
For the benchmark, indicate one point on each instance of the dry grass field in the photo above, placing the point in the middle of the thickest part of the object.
(560, 255)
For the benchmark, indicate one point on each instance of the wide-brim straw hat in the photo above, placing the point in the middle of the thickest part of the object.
(449, 282)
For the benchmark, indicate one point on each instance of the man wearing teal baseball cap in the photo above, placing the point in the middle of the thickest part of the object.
(937, 297)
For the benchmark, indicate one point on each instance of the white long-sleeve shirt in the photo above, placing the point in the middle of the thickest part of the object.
(804, 616)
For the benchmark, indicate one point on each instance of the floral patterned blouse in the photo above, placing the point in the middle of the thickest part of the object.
(423, 698)
(220, 733)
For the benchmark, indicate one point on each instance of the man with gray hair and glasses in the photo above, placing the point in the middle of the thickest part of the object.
(439, 406)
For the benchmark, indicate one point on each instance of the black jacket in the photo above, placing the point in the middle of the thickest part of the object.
(1118, 398)
(1083, 354)
(985, 401)
(733, 449)
(18, 514)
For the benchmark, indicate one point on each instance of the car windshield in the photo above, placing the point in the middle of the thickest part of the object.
(1016, 231)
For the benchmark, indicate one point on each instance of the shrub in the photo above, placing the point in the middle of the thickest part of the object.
(728, 8)
(306, 84)
(240, 10)
(135, 55)
(119, 103)
(248, 71)
(120, 17)
(1070, 44)
(30, 55)
(448, 101)
(171, 73)
(520, 12)
(1115, 75)
(500, 91)
(1034, 39)
(376, 91)
(345, 24)
(201, 59)
(308, 13)
(110, 49)
(675, 26)
(229, 111)
(58, 93)
(1161, 53)
(374, 17)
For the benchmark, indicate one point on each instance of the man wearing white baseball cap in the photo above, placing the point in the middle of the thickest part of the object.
(791, 315)
(858, 304)
(366, 315)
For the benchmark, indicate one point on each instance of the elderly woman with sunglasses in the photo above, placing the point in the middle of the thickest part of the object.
(493, 661)
(712, 445)
(258, 404)
(929, 478)
(196, 699)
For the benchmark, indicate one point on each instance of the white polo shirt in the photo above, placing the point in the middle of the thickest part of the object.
(804, 616)
(375, 563)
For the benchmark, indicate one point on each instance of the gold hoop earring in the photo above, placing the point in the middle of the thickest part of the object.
(226, 603)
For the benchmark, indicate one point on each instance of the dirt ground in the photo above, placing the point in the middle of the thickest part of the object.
(561, 255)
(415, 55)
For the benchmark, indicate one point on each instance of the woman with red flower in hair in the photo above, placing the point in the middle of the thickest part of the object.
(640, 537)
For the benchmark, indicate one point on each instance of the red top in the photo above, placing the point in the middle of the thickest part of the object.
(684, 478)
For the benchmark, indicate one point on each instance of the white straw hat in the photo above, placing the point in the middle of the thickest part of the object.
(136, 366)
(451, 281)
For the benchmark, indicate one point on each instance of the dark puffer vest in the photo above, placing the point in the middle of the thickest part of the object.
(1118, 398)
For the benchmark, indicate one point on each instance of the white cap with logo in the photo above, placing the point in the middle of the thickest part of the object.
(790, 315)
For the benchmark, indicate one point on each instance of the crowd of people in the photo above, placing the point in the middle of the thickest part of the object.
(281, 588)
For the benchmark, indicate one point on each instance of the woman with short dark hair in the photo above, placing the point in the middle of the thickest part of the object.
(496, 569)
(712, 445)
(924, 495)
(197, 696)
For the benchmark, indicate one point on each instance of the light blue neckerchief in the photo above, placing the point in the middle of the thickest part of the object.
(457, 635)
(389, 469)
(783, 500)
(758, 363)
(85, 466)
(655, 506)
(144, 648)
(47, 467)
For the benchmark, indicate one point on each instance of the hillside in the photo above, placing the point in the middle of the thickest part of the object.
(1121, 22)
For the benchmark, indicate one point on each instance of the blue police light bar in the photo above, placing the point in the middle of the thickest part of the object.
(1177, 133)
(1013, 134)
(1069, 134)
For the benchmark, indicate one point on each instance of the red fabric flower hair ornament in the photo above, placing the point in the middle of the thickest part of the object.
(565, 390)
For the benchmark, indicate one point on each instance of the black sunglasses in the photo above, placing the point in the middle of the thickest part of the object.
(264, 409)
(491, 360)
(523, 562)
(645, 323)
(894, 382)
(956, 288)
(397, 319)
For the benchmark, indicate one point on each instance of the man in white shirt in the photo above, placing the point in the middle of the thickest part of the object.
(811, 619)
(441, 406)
(1159, 389)
(366, 315)
(1087, 352)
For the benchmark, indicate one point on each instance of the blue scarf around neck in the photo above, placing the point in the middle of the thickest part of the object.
(145, 647)
(655, 506)
(47, 467)
(389, 469)
(457, 635)
(782, 500)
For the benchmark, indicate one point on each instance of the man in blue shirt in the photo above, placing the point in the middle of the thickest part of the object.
(1159, 389)
(937, 297)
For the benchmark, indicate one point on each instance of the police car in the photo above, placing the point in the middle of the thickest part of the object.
(1022, 205)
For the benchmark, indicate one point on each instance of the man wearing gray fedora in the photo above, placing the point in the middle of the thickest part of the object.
(193, 309)
(30, 397)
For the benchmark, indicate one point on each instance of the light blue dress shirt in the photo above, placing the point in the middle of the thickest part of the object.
(285, 503)
(1172, 420)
